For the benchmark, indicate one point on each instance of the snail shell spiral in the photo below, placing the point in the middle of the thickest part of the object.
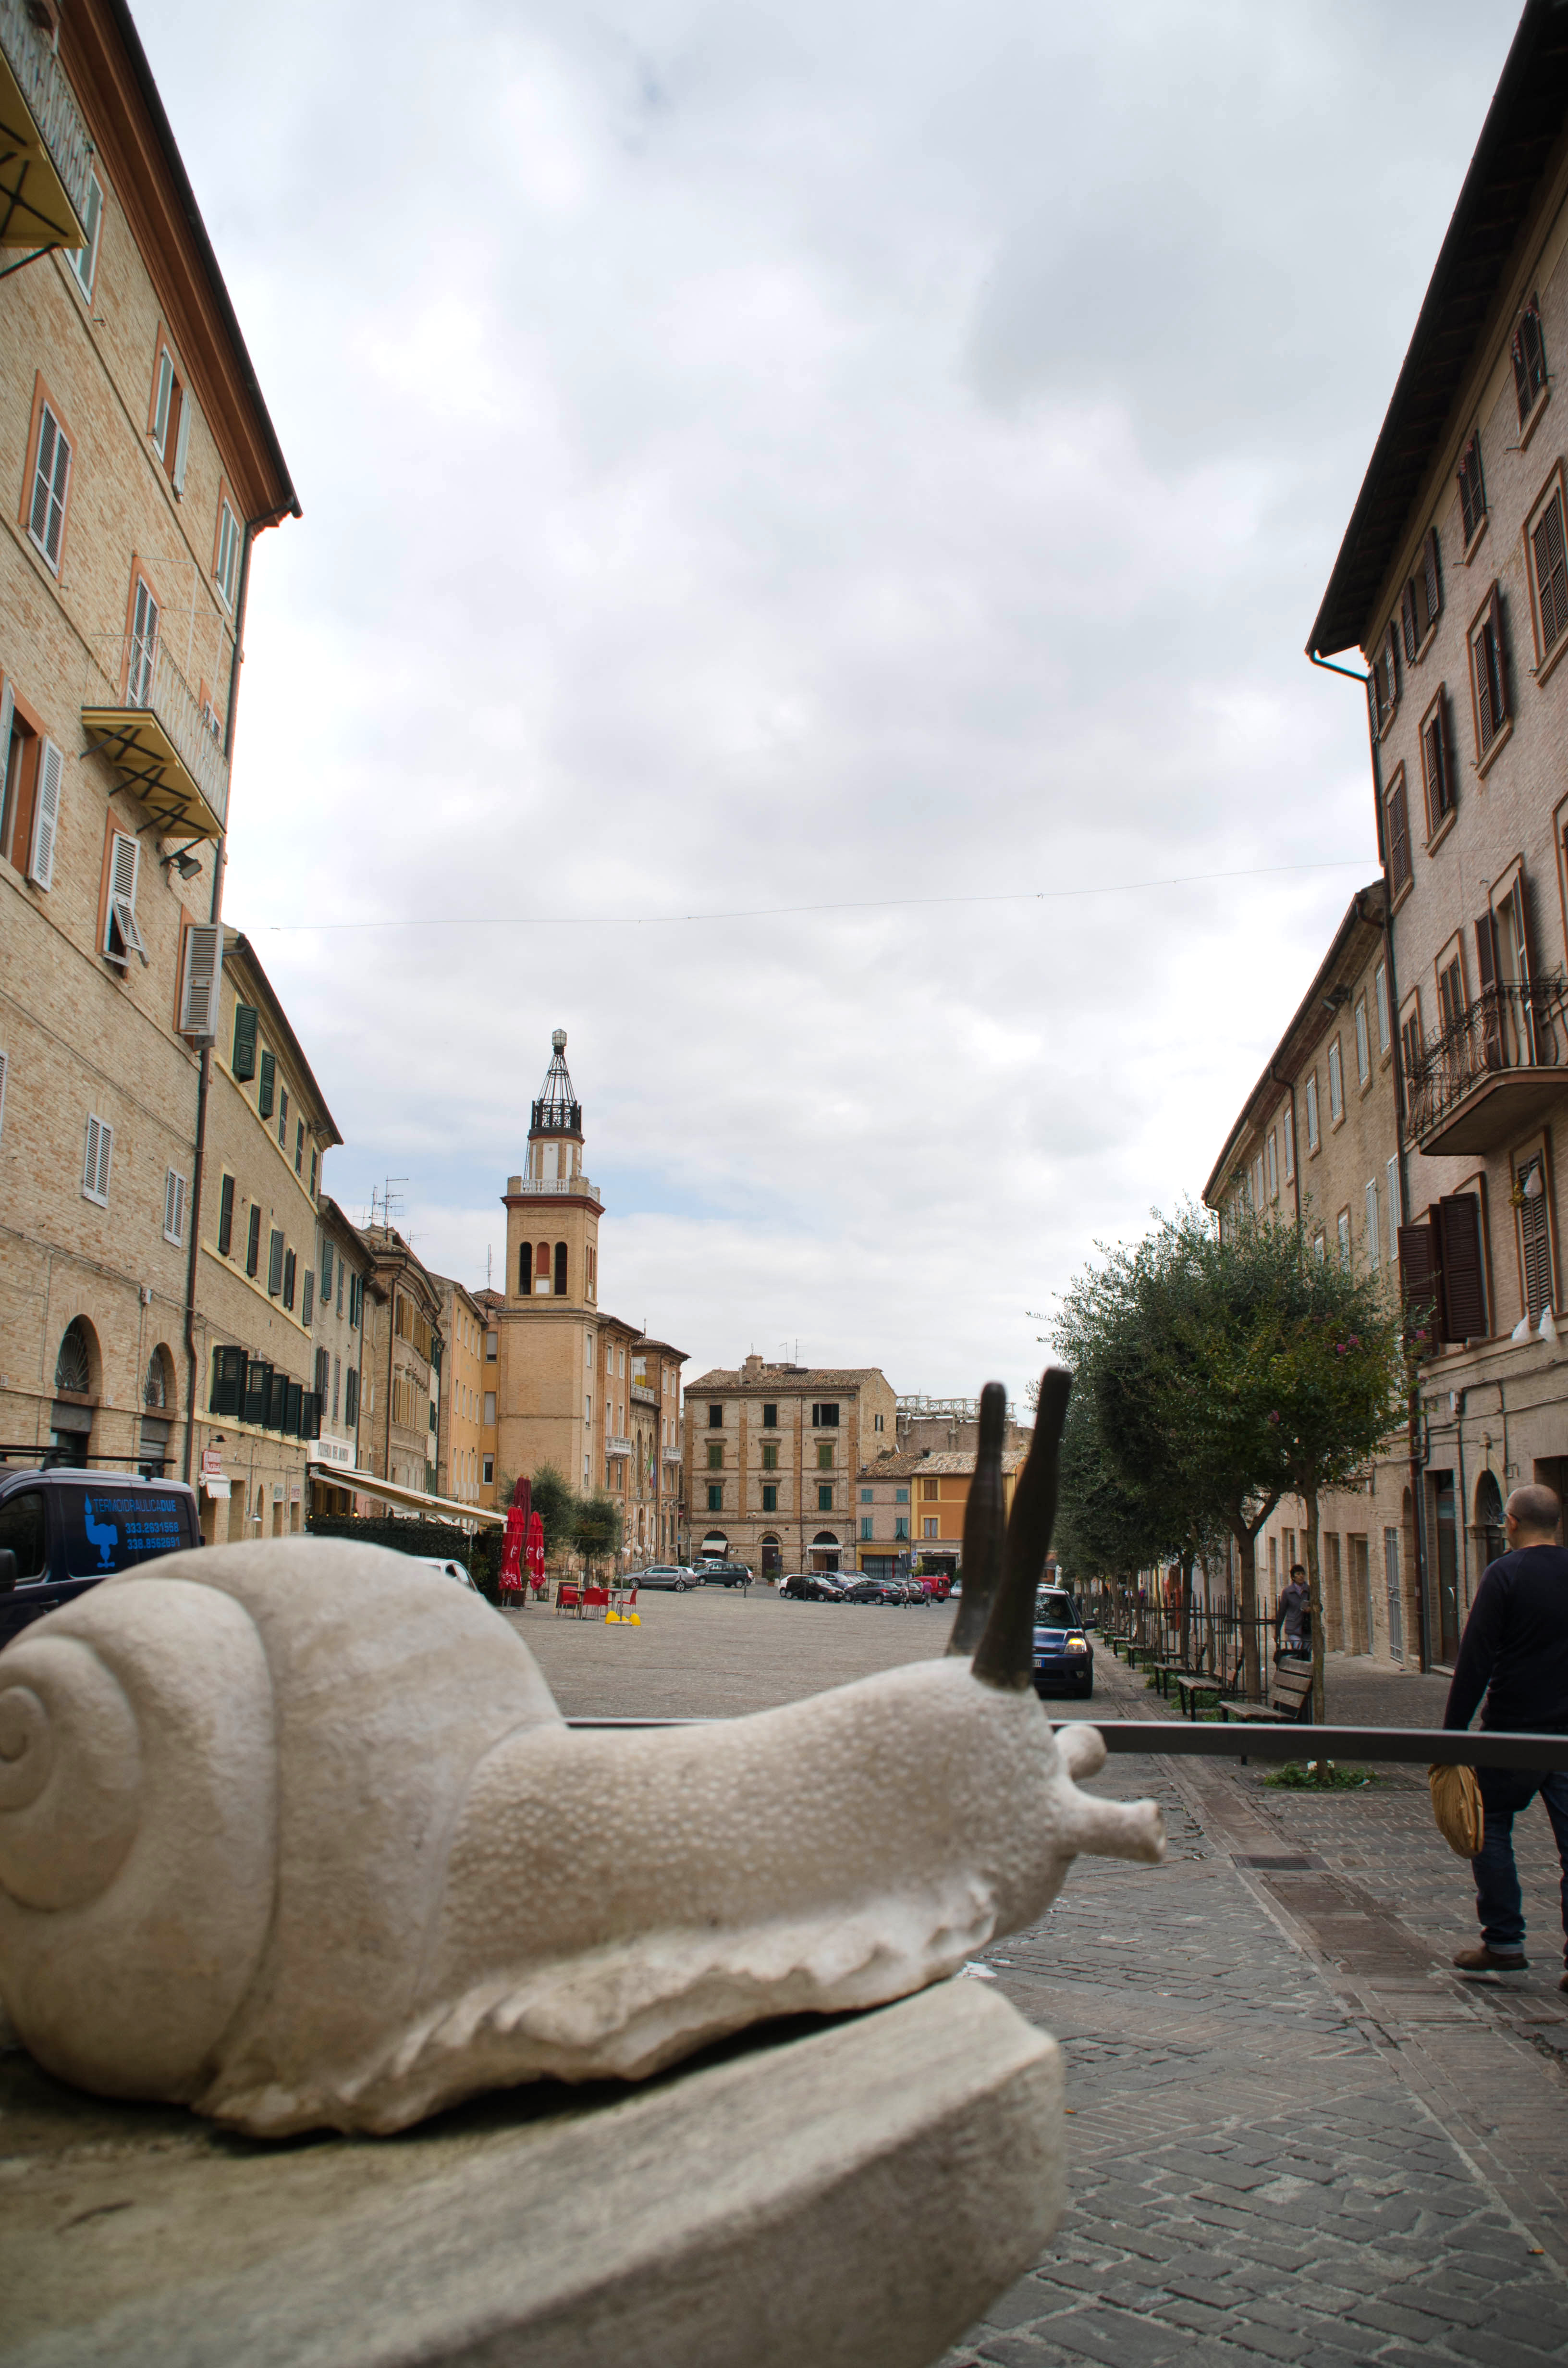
(136, 1821)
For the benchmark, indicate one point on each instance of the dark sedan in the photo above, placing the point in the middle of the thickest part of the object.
(1063, 1654)
(875, 1590)
(812, 1586)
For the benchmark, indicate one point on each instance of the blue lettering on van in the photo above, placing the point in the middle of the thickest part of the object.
(102, 1534)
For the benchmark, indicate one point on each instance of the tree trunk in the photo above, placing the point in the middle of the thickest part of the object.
(1246, 1556)
(1184, 1649)
(1314, 1590)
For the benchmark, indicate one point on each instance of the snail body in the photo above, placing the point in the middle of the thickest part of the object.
(295, 1836)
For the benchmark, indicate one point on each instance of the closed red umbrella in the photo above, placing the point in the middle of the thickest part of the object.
(533, 1553)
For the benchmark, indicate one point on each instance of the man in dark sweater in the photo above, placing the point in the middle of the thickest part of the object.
(1515, 1652)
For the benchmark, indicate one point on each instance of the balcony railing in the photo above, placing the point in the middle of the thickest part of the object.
(157, 738)
(614, 1446)
(557, 1187)
(1492, 1073)
(556, 1118)
(44, 145)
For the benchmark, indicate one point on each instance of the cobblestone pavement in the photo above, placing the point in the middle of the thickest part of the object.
(1297, 2134)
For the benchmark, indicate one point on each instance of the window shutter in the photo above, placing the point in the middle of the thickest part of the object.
(106, 1148)
(267, 1087)
(203, 967)
(124, 870)
(289, 1280)
(310, 1415)
(351, 1398)
(1407, 623)
(1390, 661)
(1459, 1254)
(182, 441)
(1486, 970)
(46, 817)
(1550, 574)
(1394, 1209)
(225, 1216)
(1421, 1281)
(7, 717)
(308, 1295)
(90, 1158)
(1432, 576)
(243, 1063)
(4, 1065)
(1399, 836)
(291, 1405)
(275, 1265)
(173, 1205)
(1494, 616)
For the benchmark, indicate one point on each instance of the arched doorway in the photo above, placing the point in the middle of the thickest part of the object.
(824, 1551)
(772, 1554)
(1490, 1537)
(716, 1546)
(157, 1407)
(76, 1369)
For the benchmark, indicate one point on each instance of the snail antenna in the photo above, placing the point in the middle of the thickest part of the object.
(983, 1524)
(1006, 1657)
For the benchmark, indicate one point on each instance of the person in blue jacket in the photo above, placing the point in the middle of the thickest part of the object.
(1515, 1654)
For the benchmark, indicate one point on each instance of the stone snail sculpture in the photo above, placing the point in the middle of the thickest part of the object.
(296, 1836)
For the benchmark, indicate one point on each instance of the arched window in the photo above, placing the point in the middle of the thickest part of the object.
(541, 1267)
(158, 1386)
(560, 1270)
(524, 1269)
(73, 1365)
(1490, 1537)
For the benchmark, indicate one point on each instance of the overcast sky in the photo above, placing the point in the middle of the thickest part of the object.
(802, 468)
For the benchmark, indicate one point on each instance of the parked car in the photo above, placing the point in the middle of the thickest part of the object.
(453, 1570)
(63, 1529)
(723, 1574)
(874, 1590)
(812, 1586)
(673, 1575)
(1063, 1654)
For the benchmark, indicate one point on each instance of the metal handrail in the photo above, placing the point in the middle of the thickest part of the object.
(1510, 1025)
(49, 100)
(1422, 1746)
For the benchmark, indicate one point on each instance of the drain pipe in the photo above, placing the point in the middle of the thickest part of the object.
(204, 1072)
(1412, 1403)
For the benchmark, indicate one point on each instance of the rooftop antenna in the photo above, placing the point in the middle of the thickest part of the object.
(387, 1198)
(489, 1255)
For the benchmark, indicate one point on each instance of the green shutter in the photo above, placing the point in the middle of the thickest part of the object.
(226, 1225)
(244, 1041)
(268, 1085)
(228, 1381)
(275, 1264)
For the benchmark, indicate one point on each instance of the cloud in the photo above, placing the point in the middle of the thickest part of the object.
(807, 467)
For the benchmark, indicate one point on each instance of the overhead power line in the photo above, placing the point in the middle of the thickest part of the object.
(547, 920)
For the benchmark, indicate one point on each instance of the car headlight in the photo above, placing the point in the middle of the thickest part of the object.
(1077, 1644)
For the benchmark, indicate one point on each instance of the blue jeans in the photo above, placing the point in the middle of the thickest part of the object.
(1504, 1793)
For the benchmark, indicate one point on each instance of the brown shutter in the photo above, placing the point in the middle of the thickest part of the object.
(1431, 576)
(1421, 1281)
(1486, 970)
(1480, 677)
(1399, 836)
(1495, 614)
(1464, 1283)
(1407, 623)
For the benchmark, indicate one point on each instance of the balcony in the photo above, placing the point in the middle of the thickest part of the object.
(556, 1118)
(44, 145)
(157, 741)
(557, 1187)
(1492, 1076)
(642, 1395)
(614, 1446)
(671, 1455)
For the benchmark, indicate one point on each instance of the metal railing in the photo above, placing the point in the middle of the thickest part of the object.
(1212, 1640)
(1513, 1026)
(160, 691)
(49, 100)
(553, 1188)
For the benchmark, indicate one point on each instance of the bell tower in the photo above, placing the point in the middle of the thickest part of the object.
(550, 1407)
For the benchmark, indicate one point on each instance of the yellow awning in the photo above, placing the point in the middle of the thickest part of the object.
(34, 209)
(137, 745)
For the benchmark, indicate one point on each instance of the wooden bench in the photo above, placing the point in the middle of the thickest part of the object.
(1190, 1683)
(1290, 1700)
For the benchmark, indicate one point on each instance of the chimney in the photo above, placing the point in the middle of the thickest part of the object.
(752, 1370)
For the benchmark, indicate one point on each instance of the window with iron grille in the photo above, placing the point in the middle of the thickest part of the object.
(1472, 491)
(1488, 673)
(1529, 359)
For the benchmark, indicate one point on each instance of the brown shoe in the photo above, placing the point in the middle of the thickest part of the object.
(1483, 1960)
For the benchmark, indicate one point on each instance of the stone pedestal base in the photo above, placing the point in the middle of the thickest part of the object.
(851, 2196)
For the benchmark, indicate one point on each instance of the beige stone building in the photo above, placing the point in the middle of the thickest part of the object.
(569, 1394)
(399, 1414)
(771, 1457)
(1453, 583)
(268, 1130)
(1316, 1142)
(138, 463)
(462, 1387)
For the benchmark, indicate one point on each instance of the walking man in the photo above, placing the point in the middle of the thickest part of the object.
(1515, 1652)
(1294, 1615)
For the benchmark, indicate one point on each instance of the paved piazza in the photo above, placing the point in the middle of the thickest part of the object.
(1297, 2134)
